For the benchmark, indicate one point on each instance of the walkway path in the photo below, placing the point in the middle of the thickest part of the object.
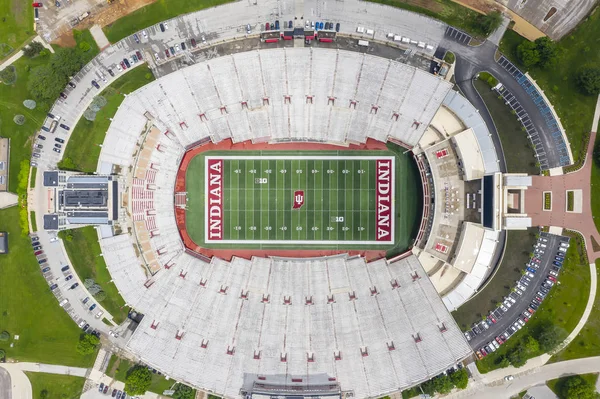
(21, 387)
(19, 54)
(558, 216)
(497, 35)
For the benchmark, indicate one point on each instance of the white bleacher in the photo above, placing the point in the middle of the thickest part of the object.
(371, 322)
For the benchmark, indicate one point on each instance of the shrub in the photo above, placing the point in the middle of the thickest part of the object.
(588, 80)
(460, 378)
(89, 114)
(488, 23)
(148, 76)
(84, 46)
(575, 387)
(184, 392)
(8, 75)
(449, 57)
(100, 296)
(29, 104)
(138, 380)
(4, 336)
(528, 54)
(19, 119)
(543, 53)
(67, 164)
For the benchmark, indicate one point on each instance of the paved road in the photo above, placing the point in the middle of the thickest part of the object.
(522, 302)
(5, 384)
(472, 60)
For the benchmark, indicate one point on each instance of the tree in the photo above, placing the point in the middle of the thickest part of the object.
(588, 80)
(88, 282)
(443, 384)
(547, 50)
(575, 387)
(4, 336)
(98, 103)
(33, 49)
(528, 53)
(531, 345)
(8, 75)
(460, 378)
(43, 394)
(87, 344)
(548, 337)
(29, 104)
(19, 119)
(44, 83)
(67, 164)
(184, 392)
(138, 380)
(517, 357)
(84, 46)
(100, 296)
(488, 23)
(89, 114)
(66, 62)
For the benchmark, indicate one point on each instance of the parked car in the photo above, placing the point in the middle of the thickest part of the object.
(166, 26)
(53, 287)
(42, 261)
(136, 38)
(162, 27)
(267, 26)
(37, 5)
(172, 50)
(529, 269)
(193, 42)
(145, 34)
(123, 65)
(277, 25)
(114, 393)
(156, 57)
(101, 387)
(36, 253)
(56, 150)
(87, 298)
(75, 285)
(183, 45)
(59, 140)
(126, 61)
(134, 58)
(41, 137)
(63, 95)
(111, 73)
(69, 277)
(92, 307)
(106, 386)
(95, 84)
(64, 268)
(65, 126)
(337, 27)
(139, 55)
(45, 269)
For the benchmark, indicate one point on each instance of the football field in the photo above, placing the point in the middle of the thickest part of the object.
(264, 199)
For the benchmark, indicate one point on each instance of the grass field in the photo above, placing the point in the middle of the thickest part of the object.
(16, 27)
(154, 13)
(518, 153)
(84, 251)
(563, 306)
(557, 384)
(587, 342)
(519, 244)
(28, 309)
(558, 82)
(118, 368)
(339, 194)
(55, 386)
(83, 147)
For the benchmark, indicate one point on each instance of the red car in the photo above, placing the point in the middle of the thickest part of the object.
(36, 253)
(499, 340)
(139, 55)
(167, 53)
(123, 65)
(552, 278)
(37, 5)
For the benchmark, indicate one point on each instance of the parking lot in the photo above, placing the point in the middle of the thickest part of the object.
(504, 320)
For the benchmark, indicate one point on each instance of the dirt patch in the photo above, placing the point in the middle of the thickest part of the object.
(65, 40)
(482, 6)
(112, 12)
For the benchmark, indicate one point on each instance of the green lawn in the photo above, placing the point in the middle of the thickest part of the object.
(519, 245)
(33, 222)
(118, 368)
(84, 251)
(587, 342)
(46, 333)
(81, 36)
(445, 10)
(16, 27)
(83, 147)
(55, 386)
(595, 182)
(518, 153)
(563, 307)
(153, 14)
(11, 104)
(558, 82)
(556, 385)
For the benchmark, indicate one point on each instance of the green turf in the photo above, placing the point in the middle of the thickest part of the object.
(28, 309)
(55, 386)
(563, 306)
(557, 384)
(574, 109)
(587, 342)
(16, 27)
(84, 252)
(518, 153)
(519, 245)
(154, 13)
(33, 222)
(119, 367)
(83, 147)
(339, 207)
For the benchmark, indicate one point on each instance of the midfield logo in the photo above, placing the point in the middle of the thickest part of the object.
(298, 199)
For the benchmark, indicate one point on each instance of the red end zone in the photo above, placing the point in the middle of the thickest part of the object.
(384, 200)
(214, 203)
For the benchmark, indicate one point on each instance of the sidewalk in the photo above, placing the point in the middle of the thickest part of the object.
(19, 54)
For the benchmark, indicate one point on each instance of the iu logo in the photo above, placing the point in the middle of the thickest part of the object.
(298, 199)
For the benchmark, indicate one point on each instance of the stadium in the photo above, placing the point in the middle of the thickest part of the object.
(301, 233)
(299, 221)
